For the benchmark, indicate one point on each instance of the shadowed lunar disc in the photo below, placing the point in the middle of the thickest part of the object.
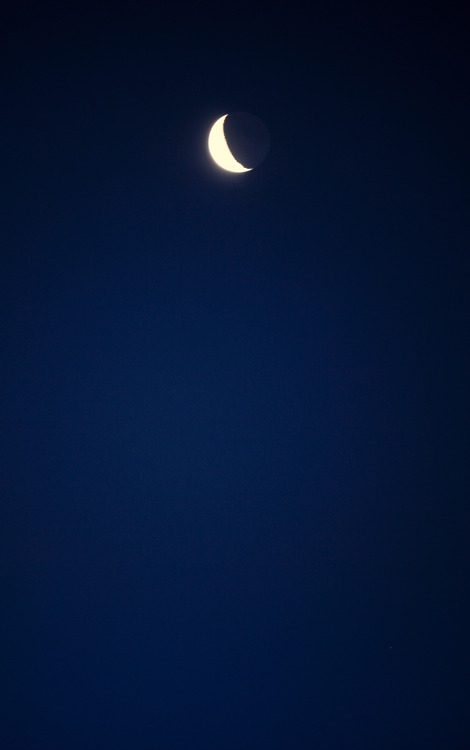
(239, 142)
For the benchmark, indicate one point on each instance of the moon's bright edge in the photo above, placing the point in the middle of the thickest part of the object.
(220, 150)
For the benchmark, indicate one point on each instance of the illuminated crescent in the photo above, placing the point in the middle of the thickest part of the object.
(220, 150)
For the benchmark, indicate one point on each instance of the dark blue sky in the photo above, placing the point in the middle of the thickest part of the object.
(234, 415)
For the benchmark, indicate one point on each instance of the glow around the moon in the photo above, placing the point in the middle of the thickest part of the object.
(219, 148)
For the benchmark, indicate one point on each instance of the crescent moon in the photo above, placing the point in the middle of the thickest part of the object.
(220, 150)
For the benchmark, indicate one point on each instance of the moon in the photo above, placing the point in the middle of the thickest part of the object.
(238, 142)
(220, 150)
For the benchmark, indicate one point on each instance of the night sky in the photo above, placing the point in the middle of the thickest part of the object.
(234, 412)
